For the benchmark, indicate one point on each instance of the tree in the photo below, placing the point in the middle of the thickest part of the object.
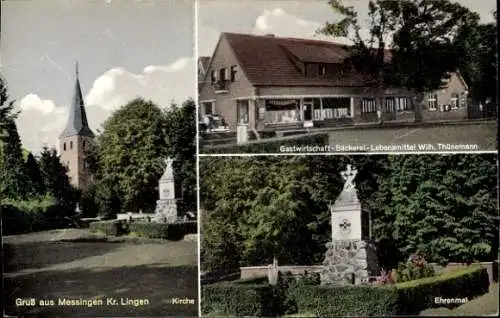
(424, 52)
(421, 54)
(7, 115)
(7, 112)
(33, 171)
(444, 206)
(180, 129)
(132, 150)
(15, 182)
(477, 55)
(56, 181)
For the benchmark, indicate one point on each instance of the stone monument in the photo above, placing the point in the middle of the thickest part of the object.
(166, 206)
(350, 257)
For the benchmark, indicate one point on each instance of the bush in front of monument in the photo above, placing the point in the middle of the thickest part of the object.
(415, 268)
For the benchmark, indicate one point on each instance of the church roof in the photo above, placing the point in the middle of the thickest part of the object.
(77, 120)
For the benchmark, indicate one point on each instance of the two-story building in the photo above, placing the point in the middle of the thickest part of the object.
(270, 83)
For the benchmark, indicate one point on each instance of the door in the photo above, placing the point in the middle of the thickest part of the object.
(307, 108)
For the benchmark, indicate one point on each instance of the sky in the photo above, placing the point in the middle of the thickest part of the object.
(125, 49)
(285, 18)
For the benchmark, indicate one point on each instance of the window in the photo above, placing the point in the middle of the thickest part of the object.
(222, 74)
(334, 108)
(71, 145)
(368, 106)
(213, 77)
(281, 111)
(455, 101)
(64, 146)
(322, 70)
(390, 104)
(233, 73)
(242, 111)
(83, 144)
(432, 102)
(402, 104)
(207, 108)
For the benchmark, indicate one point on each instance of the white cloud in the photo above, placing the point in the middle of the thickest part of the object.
(280, 23)
(41, 120)
(33, 102)
(277, 21)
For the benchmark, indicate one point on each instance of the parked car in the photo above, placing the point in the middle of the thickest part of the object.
(213, 123)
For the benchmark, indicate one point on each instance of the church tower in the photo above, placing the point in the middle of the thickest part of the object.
(75, 139)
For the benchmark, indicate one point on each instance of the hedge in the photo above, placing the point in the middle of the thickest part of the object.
(229, 299)
(174, 231)
(417, 295)
(242, 298)
(272, 146)
(326, 301)
(111, 227)
(41, 214)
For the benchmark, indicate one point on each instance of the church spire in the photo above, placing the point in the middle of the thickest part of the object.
(77, 120)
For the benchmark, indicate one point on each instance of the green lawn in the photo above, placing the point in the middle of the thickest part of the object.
(484, 305)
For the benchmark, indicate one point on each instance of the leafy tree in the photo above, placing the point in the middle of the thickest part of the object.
(56, 181)
(180, 129)
(15, 182)
(107, 198)
(444, 206)
(33, 171)
(424, 52)
(7, 112)
(477, 55)
(7, 117)
(131, 155)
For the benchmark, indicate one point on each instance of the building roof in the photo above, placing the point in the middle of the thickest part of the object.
(203, 64)
(269, 60)
(77, 120)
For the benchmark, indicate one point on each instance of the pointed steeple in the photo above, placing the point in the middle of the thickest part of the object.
(77, 120)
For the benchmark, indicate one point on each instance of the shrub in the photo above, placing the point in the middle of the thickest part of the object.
(329, 301)
(415, 268)
(272, 146)
(111, 228)
(229, 299)
(252, 281)
(174, 231)
(417, 295)
(32, 215)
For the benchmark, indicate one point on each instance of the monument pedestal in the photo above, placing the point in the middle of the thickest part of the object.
(166, 211)
(349, 262)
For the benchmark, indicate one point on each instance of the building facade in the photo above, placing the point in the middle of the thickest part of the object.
(75, 139)
(270, 83)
